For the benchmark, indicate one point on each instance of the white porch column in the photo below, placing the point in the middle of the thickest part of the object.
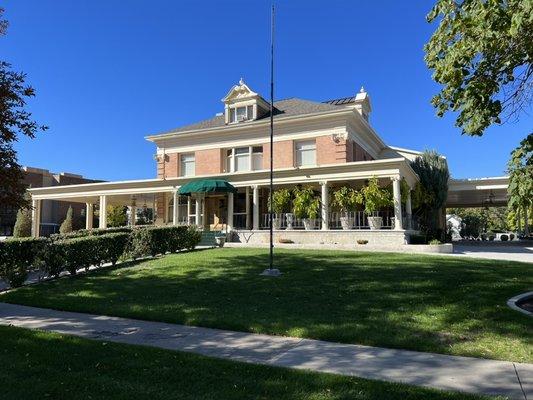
(133, 215)
(397, 196)
(103, 212)
(247, 205)
(255, 202)
(89, 213)
(189, 207)
(229, 223)
(175, 209)
(36, 218)
(325, 205)
(408, 210)
(198, 213)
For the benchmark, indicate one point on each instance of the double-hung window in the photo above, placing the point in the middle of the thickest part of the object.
(187, 164)
(305, 153)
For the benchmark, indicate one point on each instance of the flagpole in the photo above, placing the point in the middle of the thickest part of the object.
(271, 271)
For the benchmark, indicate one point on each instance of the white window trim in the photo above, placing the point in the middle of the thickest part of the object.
(296, 163)
(232, 157)
(182, 170)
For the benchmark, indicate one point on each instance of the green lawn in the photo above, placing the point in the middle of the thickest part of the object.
(438, 304)
(38, 365)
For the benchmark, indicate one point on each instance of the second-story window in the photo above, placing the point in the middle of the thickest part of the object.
(248, 158)
(187, 164)
(305, 153)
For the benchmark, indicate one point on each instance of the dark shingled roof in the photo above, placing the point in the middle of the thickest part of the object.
(282, 108)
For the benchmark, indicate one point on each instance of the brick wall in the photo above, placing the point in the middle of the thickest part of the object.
(283, 154)
(329, 151)
(170, 167)
(208, 162)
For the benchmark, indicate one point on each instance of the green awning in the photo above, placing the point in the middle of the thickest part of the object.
(207, 186)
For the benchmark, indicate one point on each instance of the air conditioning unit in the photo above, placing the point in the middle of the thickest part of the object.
(241, 118)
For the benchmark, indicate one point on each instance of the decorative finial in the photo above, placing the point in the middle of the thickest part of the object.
(241, 82)
(362, 90)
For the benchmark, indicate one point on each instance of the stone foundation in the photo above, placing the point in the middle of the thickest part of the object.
(331, 237)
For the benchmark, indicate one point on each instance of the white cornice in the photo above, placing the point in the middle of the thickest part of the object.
(331, 173)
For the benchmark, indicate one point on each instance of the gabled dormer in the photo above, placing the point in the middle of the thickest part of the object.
(242, 104)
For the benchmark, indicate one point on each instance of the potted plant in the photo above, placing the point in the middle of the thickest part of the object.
(306, 206)
(345, 199)
(374, 199)
(281, 202)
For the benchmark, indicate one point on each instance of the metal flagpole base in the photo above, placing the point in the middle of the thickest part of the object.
(271, 272)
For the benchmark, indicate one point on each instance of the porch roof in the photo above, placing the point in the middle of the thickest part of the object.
(478, 192)
(360, 170)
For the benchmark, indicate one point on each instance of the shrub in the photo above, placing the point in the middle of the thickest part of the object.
(54, 258)
(491, 237)
(362, 241)
(66, 225)
(22, 226)
(511, 236)
(90, 232)
(345, 199)
(18, 257)
(305, 204)
(113, 246)
(281, 201)
(418, 239)
(374, 197)
(435, 241)
(192, 237)
(504, 238)
(177, 239)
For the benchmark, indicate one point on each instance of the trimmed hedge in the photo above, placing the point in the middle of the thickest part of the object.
(19, 256)
(91, 232)
(55, 255)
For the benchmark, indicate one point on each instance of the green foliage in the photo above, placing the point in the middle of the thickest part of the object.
(116, 216)
(90, 232)
(345, 199)
(481, 54)
(520, 168)
(18, 257)
(374, 197)
(306, 204)
(478, 220)
(431, 191)
(281, 200)
(15, 121)
(435, 241)
(22, 224)
(66, 225)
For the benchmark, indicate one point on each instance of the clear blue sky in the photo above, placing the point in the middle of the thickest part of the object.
(109, 72)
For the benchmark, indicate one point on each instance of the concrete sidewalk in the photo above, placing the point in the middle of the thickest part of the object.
(473, 375)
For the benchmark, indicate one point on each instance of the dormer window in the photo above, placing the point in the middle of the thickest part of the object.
(241, 114)
(242, 104)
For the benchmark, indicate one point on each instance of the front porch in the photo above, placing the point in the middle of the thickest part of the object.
(246, 210)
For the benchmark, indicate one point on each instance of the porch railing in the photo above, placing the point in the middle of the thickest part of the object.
(358, 219)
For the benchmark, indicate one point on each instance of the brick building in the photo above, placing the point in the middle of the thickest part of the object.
(53, 212)
(322, 145)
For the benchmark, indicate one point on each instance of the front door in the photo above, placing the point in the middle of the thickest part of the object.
(216, 211)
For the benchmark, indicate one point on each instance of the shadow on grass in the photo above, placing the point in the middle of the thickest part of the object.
(425, 303)
(39, 365)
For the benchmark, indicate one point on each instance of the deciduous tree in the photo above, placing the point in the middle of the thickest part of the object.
(15, 120)
(482, 54)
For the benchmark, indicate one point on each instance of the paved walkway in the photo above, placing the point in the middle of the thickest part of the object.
(424, 369)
